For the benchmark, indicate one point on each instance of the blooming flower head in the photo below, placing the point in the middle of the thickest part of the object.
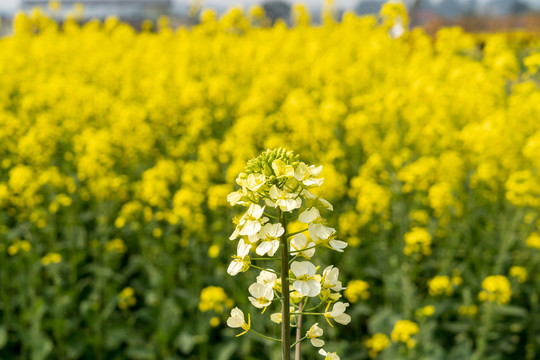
(497, 289)
(262, 295)
(356, 290)
(533, 240)
(418, 240)
(236, 320)
(329, 356)
(236, 197)
(313, 333)
(241, 261)
(269, 236)
(214, 298)
(305, 283)
(307, 175)
(300, 246)
(255, 181)
(267, 278)
(338, 313)
(440, 285)
(286, 201)
(310, 215)
(330, 279)
(252, 222)
(519, 272)
(403, 331)
(377, 343)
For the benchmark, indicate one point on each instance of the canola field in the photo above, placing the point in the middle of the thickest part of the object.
(118, 149)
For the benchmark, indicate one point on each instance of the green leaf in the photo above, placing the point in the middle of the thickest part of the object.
(3, 336)
(457, 327)
(510, 311)
(140, 353)
(227, 351)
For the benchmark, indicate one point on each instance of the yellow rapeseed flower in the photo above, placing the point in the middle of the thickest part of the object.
(403, 331)
(377, 343)
(496, 289)
(519, 272)
(356, 290)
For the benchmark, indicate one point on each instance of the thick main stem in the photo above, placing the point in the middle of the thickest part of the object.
(285, 303)
(297, 353)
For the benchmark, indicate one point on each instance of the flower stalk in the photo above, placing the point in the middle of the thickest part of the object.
(276, 189)
(285, 302)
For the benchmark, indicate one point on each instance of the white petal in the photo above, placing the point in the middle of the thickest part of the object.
(307, 216)
(234, 234)
(255, 302)
(313, 182)
(314, 288)
(317, 342)
(270, 203)
(296, 268)
(315, 170)
(264, 247)
(243, 249)
(343, 319)
(298, 242)
(251, 228)
(338, 245)
(235, 267)
(234, 197)
(257, 211)
(275, 246)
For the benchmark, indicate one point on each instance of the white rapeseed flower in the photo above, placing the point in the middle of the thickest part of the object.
(315, 200)
(306, 282)
(267, 278)
(313, 333)
(329, 356)
(285, 200)
(300, 246)
(269, 234)
(252, 222)
(241, 260)
(276, 317)
(309, 215)
(262, 295)
(236, 196)
(319, 232)
(327, 236)
(282, 170)
(330, 279)
(255, 181)
(307, 175)
(236, 320)
(338, 313)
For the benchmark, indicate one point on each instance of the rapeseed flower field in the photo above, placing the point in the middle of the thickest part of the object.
(118, 150)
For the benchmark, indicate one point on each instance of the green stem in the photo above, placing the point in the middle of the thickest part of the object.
(298, 350)
(261, 268)
(306, 313)
(264, 336)
(297, 342)
(285, 303)
(294, 258)
(315, 307)
(309, 248)
(270, 216)
(265, 258)
(294, 233)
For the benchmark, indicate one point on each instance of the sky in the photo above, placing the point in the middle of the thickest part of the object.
(11, 5)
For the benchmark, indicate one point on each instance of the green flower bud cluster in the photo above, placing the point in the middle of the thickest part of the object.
(263, 163)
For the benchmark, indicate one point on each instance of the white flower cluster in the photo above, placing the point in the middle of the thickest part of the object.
(273, 187)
